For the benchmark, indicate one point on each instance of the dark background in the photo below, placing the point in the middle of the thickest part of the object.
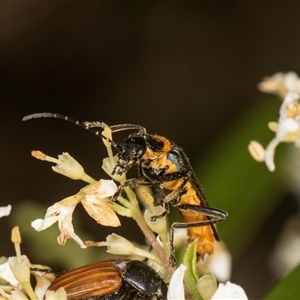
(185, 70)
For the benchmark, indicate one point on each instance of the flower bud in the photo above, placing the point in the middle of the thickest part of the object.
(207, 286)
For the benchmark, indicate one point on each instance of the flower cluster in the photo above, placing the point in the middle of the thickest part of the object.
(287, 129)
(96, 198)
(285, 255)
(15, 272)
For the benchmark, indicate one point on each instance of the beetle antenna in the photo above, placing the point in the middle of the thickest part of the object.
(76, 122)
(122, 127)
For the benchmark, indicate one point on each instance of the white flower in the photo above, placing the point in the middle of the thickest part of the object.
(176, 287)
(118, 245)
(62, 212)
(65, 165)
(289, 107)
(5, 211)
(94, 198)
(280, 84)
(229, 290)
(14, 295)
(95, 201)
(7, 275)
(287, 130)
(20, 266)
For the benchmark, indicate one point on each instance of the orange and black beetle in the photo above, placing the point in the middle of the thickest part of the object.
(164, 165)
(121, 279)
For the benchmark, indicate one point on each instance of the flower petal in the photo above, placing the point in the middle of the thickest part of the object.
(14, 295)
(95, 201)
(100, 211)
(280, 83)
(286, 132)
(103, 188)
(7, 274)
(289, 102)
(68, 166)
(53, 213)
(229, 290)
(257, 151)
(66, 227)
(117, 244)
(5, 211)
(20, 266)
(176, 288)
(62, 212)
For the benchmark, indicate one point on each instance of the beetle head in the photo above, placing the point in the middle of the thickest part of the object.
(130, 153)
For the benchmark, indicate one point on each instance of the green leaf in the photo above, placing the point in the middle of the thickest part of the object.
(288, 288)
(191, 275)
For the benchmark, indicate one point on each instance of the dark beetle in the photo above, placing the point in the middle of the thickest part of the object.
(121, 279)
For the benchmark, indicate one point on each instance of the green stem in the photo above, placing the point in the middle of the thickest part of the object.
(88, 179)
(29, 290)
(139, 218)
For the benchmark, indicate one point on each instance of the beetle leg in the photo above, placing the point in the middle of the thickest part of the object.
(132, 183)
(173, 197)
(151, 174)
(166, 207)
(217, 215)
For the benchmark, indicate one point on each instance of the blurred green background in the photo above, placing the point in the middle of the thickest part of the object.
(185, 70)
